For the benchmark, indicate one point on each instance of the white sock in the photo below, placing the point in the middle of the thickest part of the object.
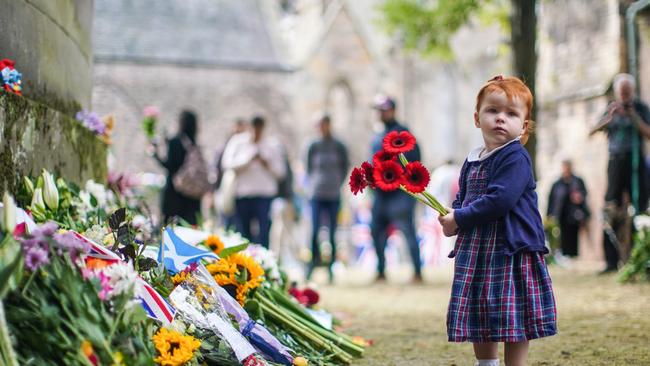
(494, 362)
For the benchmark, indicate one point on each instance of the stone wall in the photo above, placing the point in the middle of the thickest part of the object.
(579, 54)
(50, 41)
(217, 95)
(36, 137)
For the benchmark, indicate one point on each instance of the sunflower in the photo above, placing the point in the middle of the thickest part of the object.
(174, 348)
(183, 275)
(214, 243)
(239, 273)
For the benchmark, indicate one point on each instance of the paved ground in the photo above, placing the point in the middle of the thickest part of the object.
(601, 322)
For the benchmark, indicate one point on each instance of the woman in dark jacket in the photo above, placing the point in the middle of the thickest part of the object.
(567, 205)
(174, 203)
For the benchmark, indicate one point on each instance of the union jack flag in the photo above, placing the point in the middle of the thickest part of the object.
(153, 303)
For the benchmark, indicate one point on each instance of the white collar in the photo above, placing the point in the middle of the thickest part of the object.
(475, 155)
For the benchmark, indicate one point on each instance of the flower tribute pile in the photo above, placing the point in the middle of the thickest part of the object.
(81, 284)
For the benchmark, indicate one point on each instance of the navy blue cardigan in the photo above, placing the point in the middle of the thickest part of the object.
(510, 195)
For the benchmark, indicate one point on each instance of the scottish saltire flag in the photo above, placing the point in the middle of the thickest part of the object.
(175, 254)
(152, 302)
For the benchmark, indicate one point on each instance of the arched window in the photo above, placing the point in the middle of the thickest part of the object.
(340, 106)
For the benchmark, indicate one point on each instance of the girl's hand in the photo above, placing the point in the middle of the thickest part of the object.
(449, 226)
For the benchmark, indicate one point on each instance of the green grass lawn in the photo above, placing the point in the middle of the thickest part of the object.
(600, 321)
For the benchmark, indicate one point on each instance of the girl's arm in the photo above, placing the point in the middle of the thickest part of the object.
(508, 182)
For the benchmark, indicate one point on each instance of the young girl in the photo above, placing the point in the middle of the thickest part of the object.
(502, 290)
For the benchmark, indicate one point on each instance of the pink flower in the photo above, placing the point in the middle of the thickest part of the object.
(105, 282)
(151, 111)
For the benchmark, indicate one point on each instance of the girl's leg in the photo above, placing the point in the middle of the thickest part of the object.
(486, 353)
(516, 353)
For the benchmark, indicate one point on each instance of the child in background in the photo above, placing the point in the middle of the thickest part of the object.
(502, 290)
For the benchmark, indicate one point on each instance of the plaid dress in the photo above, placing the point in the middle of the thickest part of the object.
(495, 297)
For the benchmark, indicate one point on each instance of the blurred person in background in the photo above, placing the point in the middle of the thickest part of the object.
(259, 163)
(327, 168)
(174, 204)
(393, 207)
(227, 218)
(627, 123)
(567, 206)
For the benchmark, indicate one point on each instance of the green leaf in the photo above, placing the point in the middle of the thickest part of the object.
(11, 265)
(232, 250)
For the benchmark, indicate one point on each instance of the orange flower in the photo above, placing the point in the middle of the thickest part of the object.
(214, 243)
(97, 263)
(89, 352)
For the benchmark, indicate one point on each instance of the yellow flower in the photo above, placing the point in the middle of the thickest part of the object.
(174, 348)
(118, 358)
(180, 277)
(214, 243)
(300, 361)
(240, 271)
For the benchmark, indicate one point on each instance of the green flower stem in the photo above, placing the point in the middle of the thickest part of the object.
(283, 319)
(303, 317)
(430, 200)
(29, 282)
(403, 159)
(440, 208)
(7, 350)
(420, 199)
(118, 318)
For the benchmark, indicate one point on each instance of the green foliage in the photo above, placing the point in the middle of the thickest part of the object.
(638, 266)
(429, 26)
(57, 309)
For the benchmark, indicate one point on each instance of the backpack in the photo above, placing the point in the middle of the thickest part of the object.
(191, 180)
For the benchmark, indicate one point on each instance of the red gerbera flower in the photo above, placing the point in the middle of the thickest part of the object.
(416, 177)
(368, 174)
(381, 156)
(388, 175)
(357, 181)
(5, 62)
(398, 142)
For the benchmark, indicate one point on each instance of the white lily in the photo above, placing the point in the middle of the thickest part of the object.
(8, 212)
(37, 200)
(28, 185)
(50, 192)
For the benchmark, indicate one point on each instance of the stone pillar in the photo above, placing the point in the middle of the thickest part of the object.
(50, 42)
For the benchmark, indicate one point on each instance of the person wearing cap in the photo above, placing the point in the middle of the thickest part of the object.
(394, 207)
(327, 168)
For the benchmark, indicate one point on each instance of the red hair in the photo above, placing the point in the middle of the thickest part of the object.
(514, 88)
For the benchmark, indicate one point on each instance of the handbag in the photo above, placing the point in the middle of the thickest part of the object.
(191, 180)
(224, 200)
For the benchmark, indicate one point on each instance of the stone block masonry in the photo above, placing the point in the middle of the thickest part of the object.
(36, 137)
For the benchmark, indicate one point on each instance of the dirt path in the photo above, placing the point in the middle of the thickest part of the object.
(600, 321)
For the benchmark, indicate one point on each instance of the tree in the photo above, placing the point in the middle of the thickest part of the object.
(427, 26)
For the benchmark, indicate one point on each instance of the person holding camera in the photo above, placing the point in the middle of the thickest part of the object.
(627, 122)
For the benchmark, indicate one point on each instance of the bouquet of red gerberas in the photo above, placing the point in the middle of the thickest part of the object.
(387, 174)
